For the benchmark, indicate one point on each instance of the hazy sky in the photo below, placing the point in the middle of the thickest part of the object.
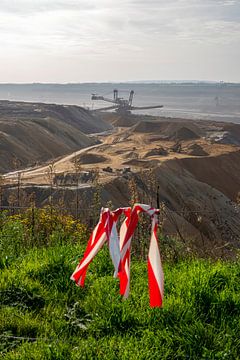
(117, 40)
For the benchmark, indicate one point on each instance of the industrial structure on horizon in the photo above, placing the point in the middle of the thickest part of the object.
(121, 105)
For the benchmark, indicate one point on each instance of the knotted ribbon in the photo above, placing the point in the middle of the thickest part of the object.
(120, 249)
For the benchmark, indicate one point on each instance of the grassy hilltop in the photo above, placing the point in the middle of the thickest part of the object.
(44, 315)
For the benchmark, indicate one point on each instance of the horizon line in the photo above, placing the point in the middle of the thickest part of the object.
(213, 82)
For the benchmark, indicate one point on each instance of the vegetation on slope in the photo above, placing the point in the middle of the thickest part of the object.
(44, 315)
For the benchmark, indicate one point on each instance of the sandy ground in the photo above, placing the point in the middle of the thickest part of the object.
(128, 148)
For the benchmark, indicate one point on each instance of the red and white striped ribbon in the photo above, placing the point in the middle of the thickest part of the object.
(114, 242)
(120, 250)
(155, 272)
(105, 230)
(96, 241)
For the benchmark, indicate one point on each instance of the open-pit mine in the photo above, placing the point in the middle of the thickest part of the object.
(188, 168)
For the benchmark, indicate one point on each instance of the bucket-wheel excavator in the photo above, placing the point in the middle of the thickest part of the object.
(120, 105)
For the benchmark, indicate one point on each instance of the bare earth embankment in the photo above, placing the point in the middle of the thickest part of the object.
(31, 133)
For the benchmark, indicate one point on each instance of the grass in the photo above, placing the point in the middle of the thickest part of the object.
(44, 315)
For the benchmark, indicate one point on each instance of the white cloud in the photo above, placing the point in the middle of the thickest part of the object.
(131, 31)
(28, 7)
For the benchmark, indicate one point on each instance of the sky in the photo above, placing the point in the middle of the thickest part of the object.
(61, 41)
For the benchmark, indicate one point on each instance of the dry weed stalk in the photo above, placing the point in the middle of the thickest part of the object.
(133, 190)
(50, 176)
(1, 190)
(77, 171)
(96, 201)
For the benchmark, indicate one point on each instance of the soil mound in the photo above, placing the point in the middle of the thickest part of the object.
(120, 120)
(184, 133)
(124, 121)
(141, 163)
(149, 127)
(157, 152)
(196, 150)
(89, 158)
(169, 130)
(130, 155)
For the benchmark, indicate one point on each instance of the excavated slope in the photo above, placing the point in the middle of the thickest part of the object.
(169, 130)
(203, 217)
(31, 133)
(221, 172)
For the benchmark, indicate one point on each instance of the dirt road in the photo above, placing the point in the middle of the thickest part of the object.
(41, 173)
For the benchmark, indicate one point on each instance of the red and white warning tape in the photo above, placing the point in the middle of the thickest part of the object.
(120, 249)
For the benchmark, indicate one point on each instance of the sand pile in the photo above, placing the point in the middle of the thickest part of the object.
(171, 130)
(196, 150)
(149, 127)
(90, 158)
(124, 121)
(160, 151)
(80, 118)
(141, 163)
(183, 133)
(130, 155)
